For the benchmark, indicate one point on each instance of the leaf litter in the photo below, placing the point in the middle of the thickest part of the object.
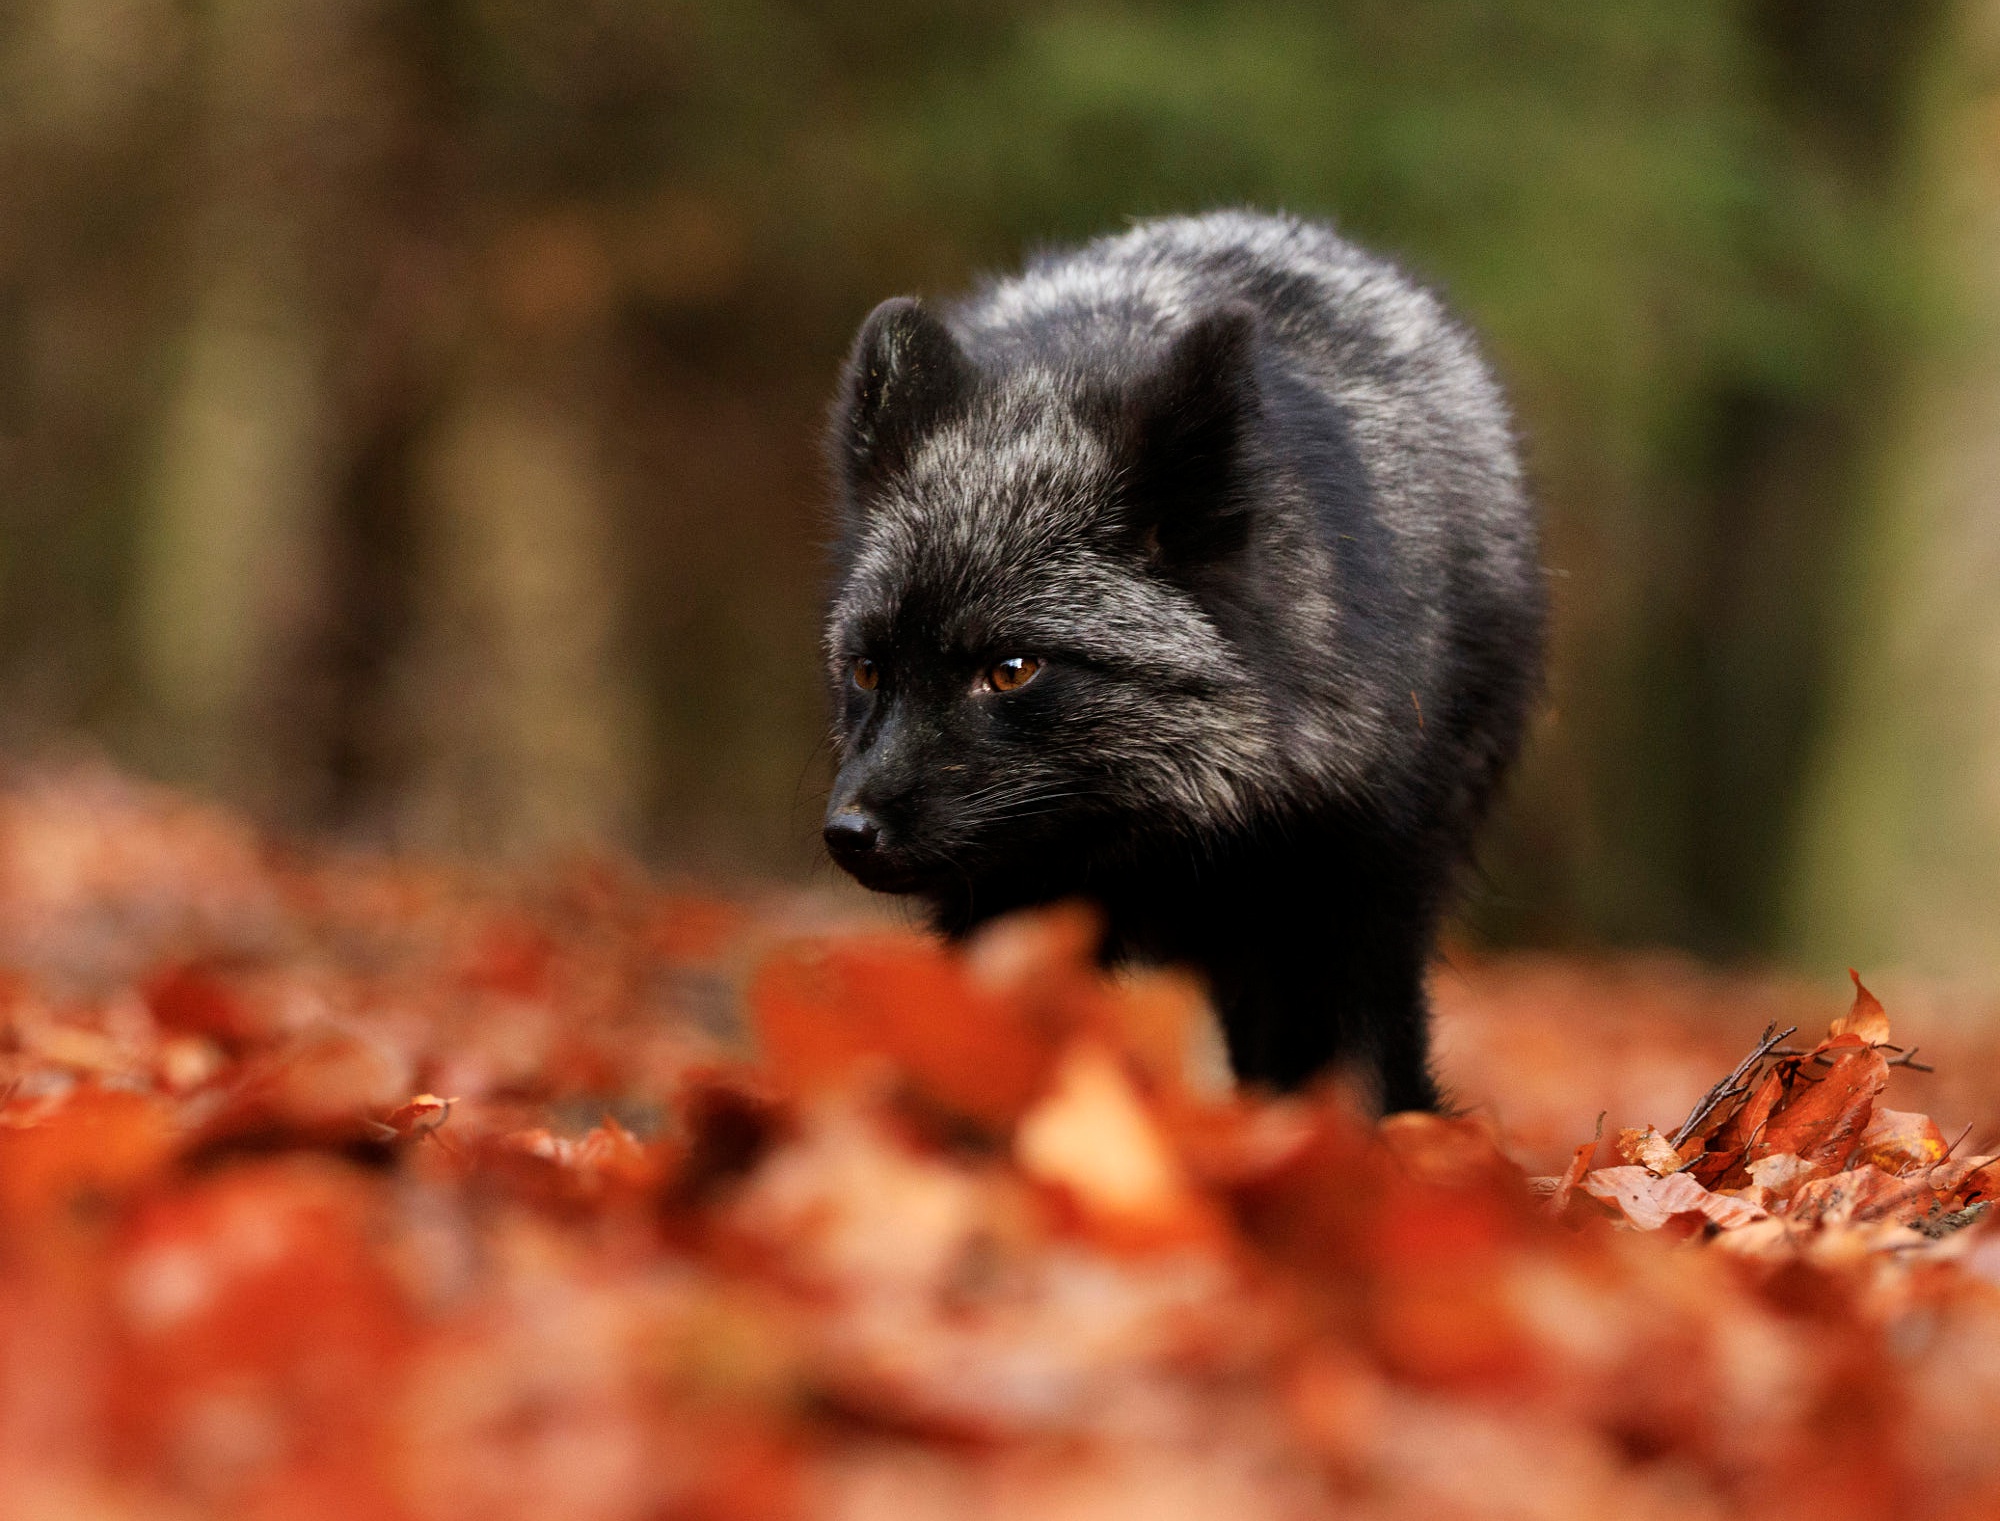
(334, 1187)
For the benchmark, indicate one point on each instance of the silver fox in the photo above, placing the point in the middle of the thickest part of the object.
(1192, 573)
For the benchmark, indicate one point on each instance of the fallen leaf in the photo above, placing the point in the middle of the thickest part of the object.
(1092, 1136)
(1565, 1185)
(420, 1116)
(1866, 1020)
(1728, 1146)
(1649, 1149)
(1822, 1120)
(1649, 1201)
(1782, 1173)
(86, 1143)
(1862, 1194)
(1897, 1140)
(825, 1010)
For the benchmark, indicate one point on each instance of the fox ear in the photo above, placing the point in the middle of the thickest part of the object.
(1186, 427)
(906, 374)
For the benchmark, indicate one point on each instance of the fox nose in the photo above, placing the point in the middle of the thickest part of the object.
(850, 833)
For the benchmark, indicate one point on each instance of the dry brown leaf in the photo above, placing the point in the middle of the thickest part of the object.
(1897, 1140)
(967, 1242)
(1781, 1174)
(1565, 1185)
(1727, 1147)
(1866, 1020)
(1862, 1194)
(1092, 1135)
(1822, 1120)
(1649, 1201)
(1647, 1148)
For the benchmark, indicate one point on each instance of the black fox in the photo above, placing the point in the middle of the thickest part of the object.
(1191, 573)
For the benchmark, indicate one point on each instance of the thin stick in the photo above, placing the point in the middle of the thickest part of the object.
(1827, 1059)
(1733, 1084)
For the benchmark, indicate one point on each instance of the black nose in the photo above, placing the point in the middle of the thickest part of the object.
(850, 833)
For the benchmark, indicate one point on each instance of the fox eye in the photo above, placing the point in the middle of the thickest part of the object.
(1012, 674)
(864, 673)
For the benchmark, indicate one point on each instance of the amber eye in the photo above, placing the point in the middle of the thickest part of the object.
(1012, 674)
(865, 675)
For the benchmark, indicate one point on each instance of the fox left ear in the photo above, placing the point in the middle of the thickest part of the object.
(1186, 427)
(904, 376)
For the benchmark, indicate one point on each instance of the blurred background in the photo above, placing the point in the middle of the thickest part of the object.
(409, 409)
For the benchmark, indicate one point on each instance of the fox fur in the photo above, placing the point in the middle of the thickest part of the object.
(1244, 503)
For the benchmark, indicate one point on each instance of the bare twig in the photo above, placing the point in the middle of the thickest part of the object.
(1731, 1086)
(1828, 1058)
(1957, 1143)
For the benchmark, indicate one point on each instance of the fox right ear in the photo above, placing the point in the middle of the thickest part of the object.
(1185, 430)
(906, 373)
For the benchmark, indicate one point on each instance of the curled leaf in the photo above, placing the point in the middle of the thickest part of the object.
(419, 1117)
(1866, 1020)
(1563, 1187)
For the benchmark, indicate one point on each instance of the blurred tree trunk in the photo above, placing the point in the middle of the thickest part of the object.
(237, 495)
(529, 730)
(1746, 636)
(375, 591)
(1900, 854)
(93, 98)
(234, 519)
(1691, 666)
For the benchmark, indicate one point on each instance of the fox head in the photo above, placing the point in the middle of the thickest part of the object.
(1037, 641)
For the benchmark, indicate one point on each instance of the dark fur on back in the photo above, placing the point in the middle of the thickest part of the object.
(1250, 498)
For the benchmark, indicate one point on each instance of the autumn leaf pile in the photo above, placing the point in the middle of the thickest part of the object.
(341, 1188)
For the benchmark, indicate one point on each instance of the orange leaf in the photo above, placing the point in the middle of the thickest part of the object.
(1860, 1194)
(323, 1086)
(1649, 1149)
(1458, 1153)
(1866, 1020)
(823, 1009)
(1823, 1124)
(1158, 1018)
(1782, 1173)
(264, 1279)
(91, 1142)
(420, 1116)
(613, 1153)
(1579, 1164)
(1093, 1137)
(191, 999)
(1897, 1140)
(688, 929)
(1726, 1148)
(608, 1163)
(1649, 1201)
(512, 956)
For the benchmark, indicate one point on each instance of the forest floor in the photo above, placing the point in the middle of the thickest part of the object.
(332, 1186)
